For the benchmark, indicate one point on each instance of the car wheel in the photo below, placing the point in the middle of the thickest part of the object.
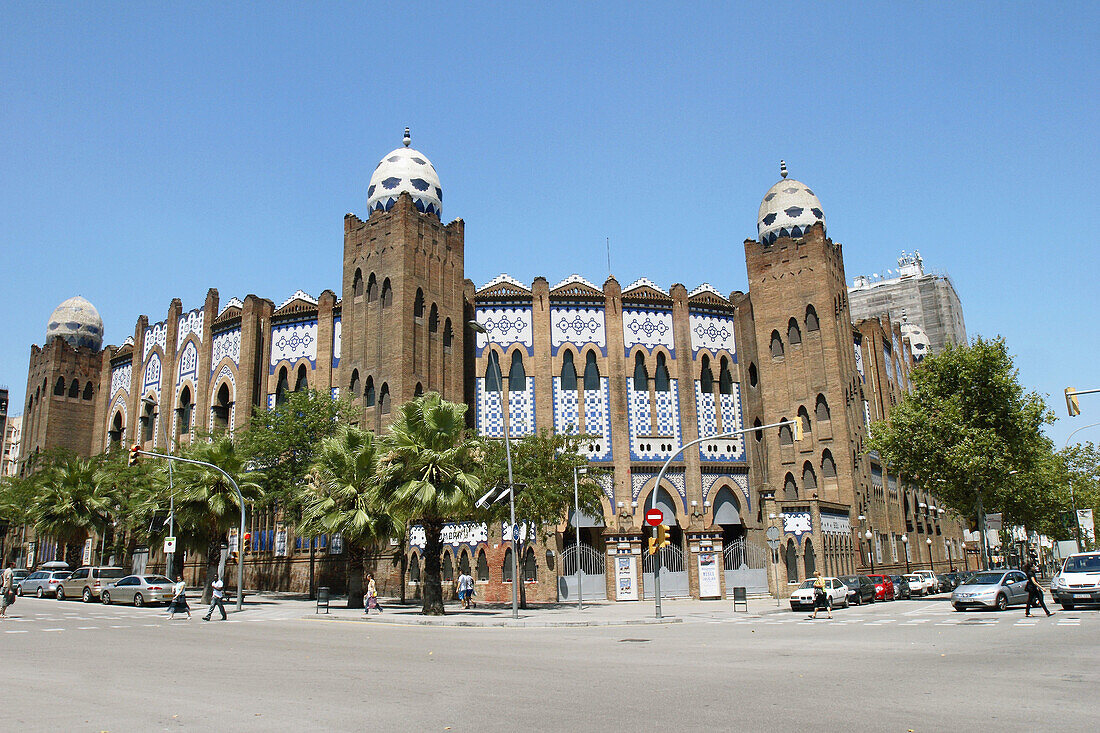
(87, 596)
(105, 597)
(138, 600)
(39, 592)
(60, 593)
(846, 603)
(19, 591)
(1002, 602)
(1066, 606)
(958, 606)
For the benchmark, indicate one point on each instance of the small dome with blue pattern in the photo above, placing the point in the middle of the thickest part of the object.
(405, 170)
(789, 209)
(78, 322)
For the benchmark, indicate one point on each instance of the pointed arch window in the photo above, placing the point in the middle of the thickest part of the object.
(464, 563)
(809, 476)
(568, 372)
(776, 345)
(660, 374)
(517, 377)
(591, 372)
(828, 465)
(418, 304)
(74, 388)
(357, 284)
(301, 384)
(809, 559)
(754, 378)
(355, 384)
(88, 391)
(794, 333)
(786, 437)
(419, 390)
(757, 433)
(116, 430)
(372, 288)
(641, 376)
(821, 409)
(812, 323)
(482, 566)
(282, 387)
(387, 293)
(448, 334)
(790, 488)
(506, 567)
(59, 387)
(492, 373)
(368, 392)
(706, 376)
(530, 571)
(448, 567)
(414, 568)
(804, 416)
(791, 562)
(384, 399)
(433, 319)
(725, 377)
(183, 412)
(221, 408)
(148, 421)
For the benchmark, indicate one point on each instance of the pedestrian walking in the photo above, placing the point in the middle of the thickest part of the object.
(371, 596)
(466, 589)
(217, 599)
(1034, 591)
(822, 602)
(179, 599)
(7, 589)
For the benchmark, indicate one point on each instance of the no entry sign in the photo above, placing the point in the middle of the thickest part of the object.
(653, 517)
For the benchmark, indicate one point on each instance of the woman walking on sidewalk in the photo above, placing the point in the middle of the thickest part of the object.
(372, 596)
(1034, 591)
(179, 599)
(821, 597)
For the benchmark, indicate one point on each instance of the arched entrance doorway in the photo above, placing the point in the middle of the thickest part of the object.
(582, 566)
(743, 562)
(674, 576)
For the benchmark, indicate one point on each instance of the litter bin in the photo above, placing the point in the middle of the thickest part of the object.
(322, 599)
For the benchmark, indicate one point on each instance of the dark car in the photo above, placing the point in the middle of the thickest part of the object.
(860, 589)
(884, 587)
(949, 582)
(901, 588)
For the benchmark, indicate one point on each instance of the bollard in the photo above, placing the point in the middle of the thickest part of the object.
(322, 599)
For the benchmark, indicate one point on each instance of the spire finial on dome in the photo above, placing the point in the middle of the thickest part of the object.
(407, 139)
(782, 164)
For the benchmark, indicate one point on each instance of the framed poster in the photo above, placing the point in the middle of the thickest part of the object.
(626, 585)
(234, 537)
(86, 556)
(280, 542)
(708, 575)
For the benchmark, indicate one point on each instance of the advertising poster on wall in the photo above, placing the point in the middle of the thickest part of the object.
(1088, 529)
(626, 588)
(280, 542)
(708, 575)
(234, 538)
(86, 556)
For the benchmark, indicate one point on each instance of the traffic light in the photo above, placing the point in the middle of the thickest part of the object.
(798, 428)
(652, 545)
(662, 536)
(247, 544)
(132, 459)
(1072, 404)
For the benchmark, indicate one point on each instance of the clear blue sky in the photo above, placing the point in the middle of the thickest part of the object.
(151, 152)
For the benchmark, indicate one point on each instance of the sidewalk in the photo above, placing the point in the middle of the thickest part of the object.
(550, 615)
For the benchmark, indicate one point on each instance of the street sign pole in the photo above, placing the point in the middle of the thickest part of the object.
(772, 534)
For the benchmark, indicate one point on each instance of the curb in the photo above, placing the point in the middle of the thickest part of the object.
(491, 623)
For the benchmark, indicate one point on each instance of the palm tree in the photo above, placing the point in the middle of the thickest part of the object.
(338, 500)
(426, 476)
(69, 503)
(206, 505)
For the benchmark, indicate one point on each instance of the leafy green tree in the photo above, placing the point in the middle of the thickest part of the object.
(339, 501)
(206, 504)
(543, 464)
(1081, 463)
(968, 431)
(16, 495)
(68, 503)
(133, 495)
(427, 475)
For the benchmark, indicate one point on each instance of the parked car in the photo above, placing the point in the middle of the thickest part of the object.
(42, 582)
(991, 589)
(18, 575)
(87, 582)
(884, 587)
(901, 587)
(928, 578)
(138, 590)
(1078, 581)
(949, 582)
(803, 597)
(860, 589)
(914, 584)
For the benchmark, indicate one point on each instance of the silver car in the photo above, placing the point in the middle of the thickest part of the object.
(138, 590)
(42, 583)
(991, 589)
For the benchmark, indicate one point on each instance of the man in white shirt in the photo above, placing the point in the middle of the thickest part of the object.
(7, 588)
(466, 590)
(217, 599)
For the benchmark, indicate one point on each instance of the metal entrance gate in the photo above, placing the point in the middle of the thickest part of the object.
(583, 565)
(745, 564)
(674, 577)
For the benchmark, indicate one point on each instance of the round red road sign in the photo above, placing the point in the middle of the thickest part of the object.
(653, 517)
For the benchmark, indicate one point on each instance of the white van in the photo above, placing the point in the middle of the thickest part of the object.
(931, 582)
(1078, 582)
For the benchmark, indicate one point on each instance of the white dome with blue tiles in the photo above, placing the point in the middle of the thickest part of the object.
(789, 209)
(78, 322)
(405, 170)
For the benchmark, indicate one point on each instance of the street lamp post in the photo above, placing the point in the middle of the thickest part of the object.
(478, 328)
(577, 471)
(870, 550)
(905, 546)
(930, 567)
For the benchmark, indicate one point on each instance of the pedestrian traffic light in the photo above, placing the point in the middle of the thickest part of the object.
(652, 545)
(1072, 404)
(247, 544)
(798, 428)
(662, 535)
(135, 452)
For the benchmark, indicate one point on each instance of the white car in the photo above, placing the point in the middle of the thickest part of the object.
(929, 579)
(916, 584)
(1078, 582)
(803, 596)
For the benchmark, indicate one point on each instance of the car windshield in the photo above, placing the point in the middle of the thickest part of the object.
(850, 580)
(155, 579)
(112, 573)
(1082, 564)
(984, 579)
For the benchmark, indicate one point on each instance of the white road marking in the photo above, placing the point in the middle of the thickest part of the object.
(53, 629)
(16, 631)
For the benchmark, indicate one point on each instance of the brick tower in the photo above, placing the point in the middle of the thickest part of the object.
(403, 292)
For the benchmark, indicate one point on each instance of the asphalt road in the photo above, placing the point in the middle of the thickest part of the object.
(902, 666)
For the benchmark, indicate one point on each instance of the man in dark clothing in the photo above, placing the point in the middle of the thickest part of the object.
(1034, 591)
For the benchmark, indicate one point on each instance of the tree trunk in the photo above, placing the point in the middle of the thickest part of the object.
(356, 555)
(433, 587)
